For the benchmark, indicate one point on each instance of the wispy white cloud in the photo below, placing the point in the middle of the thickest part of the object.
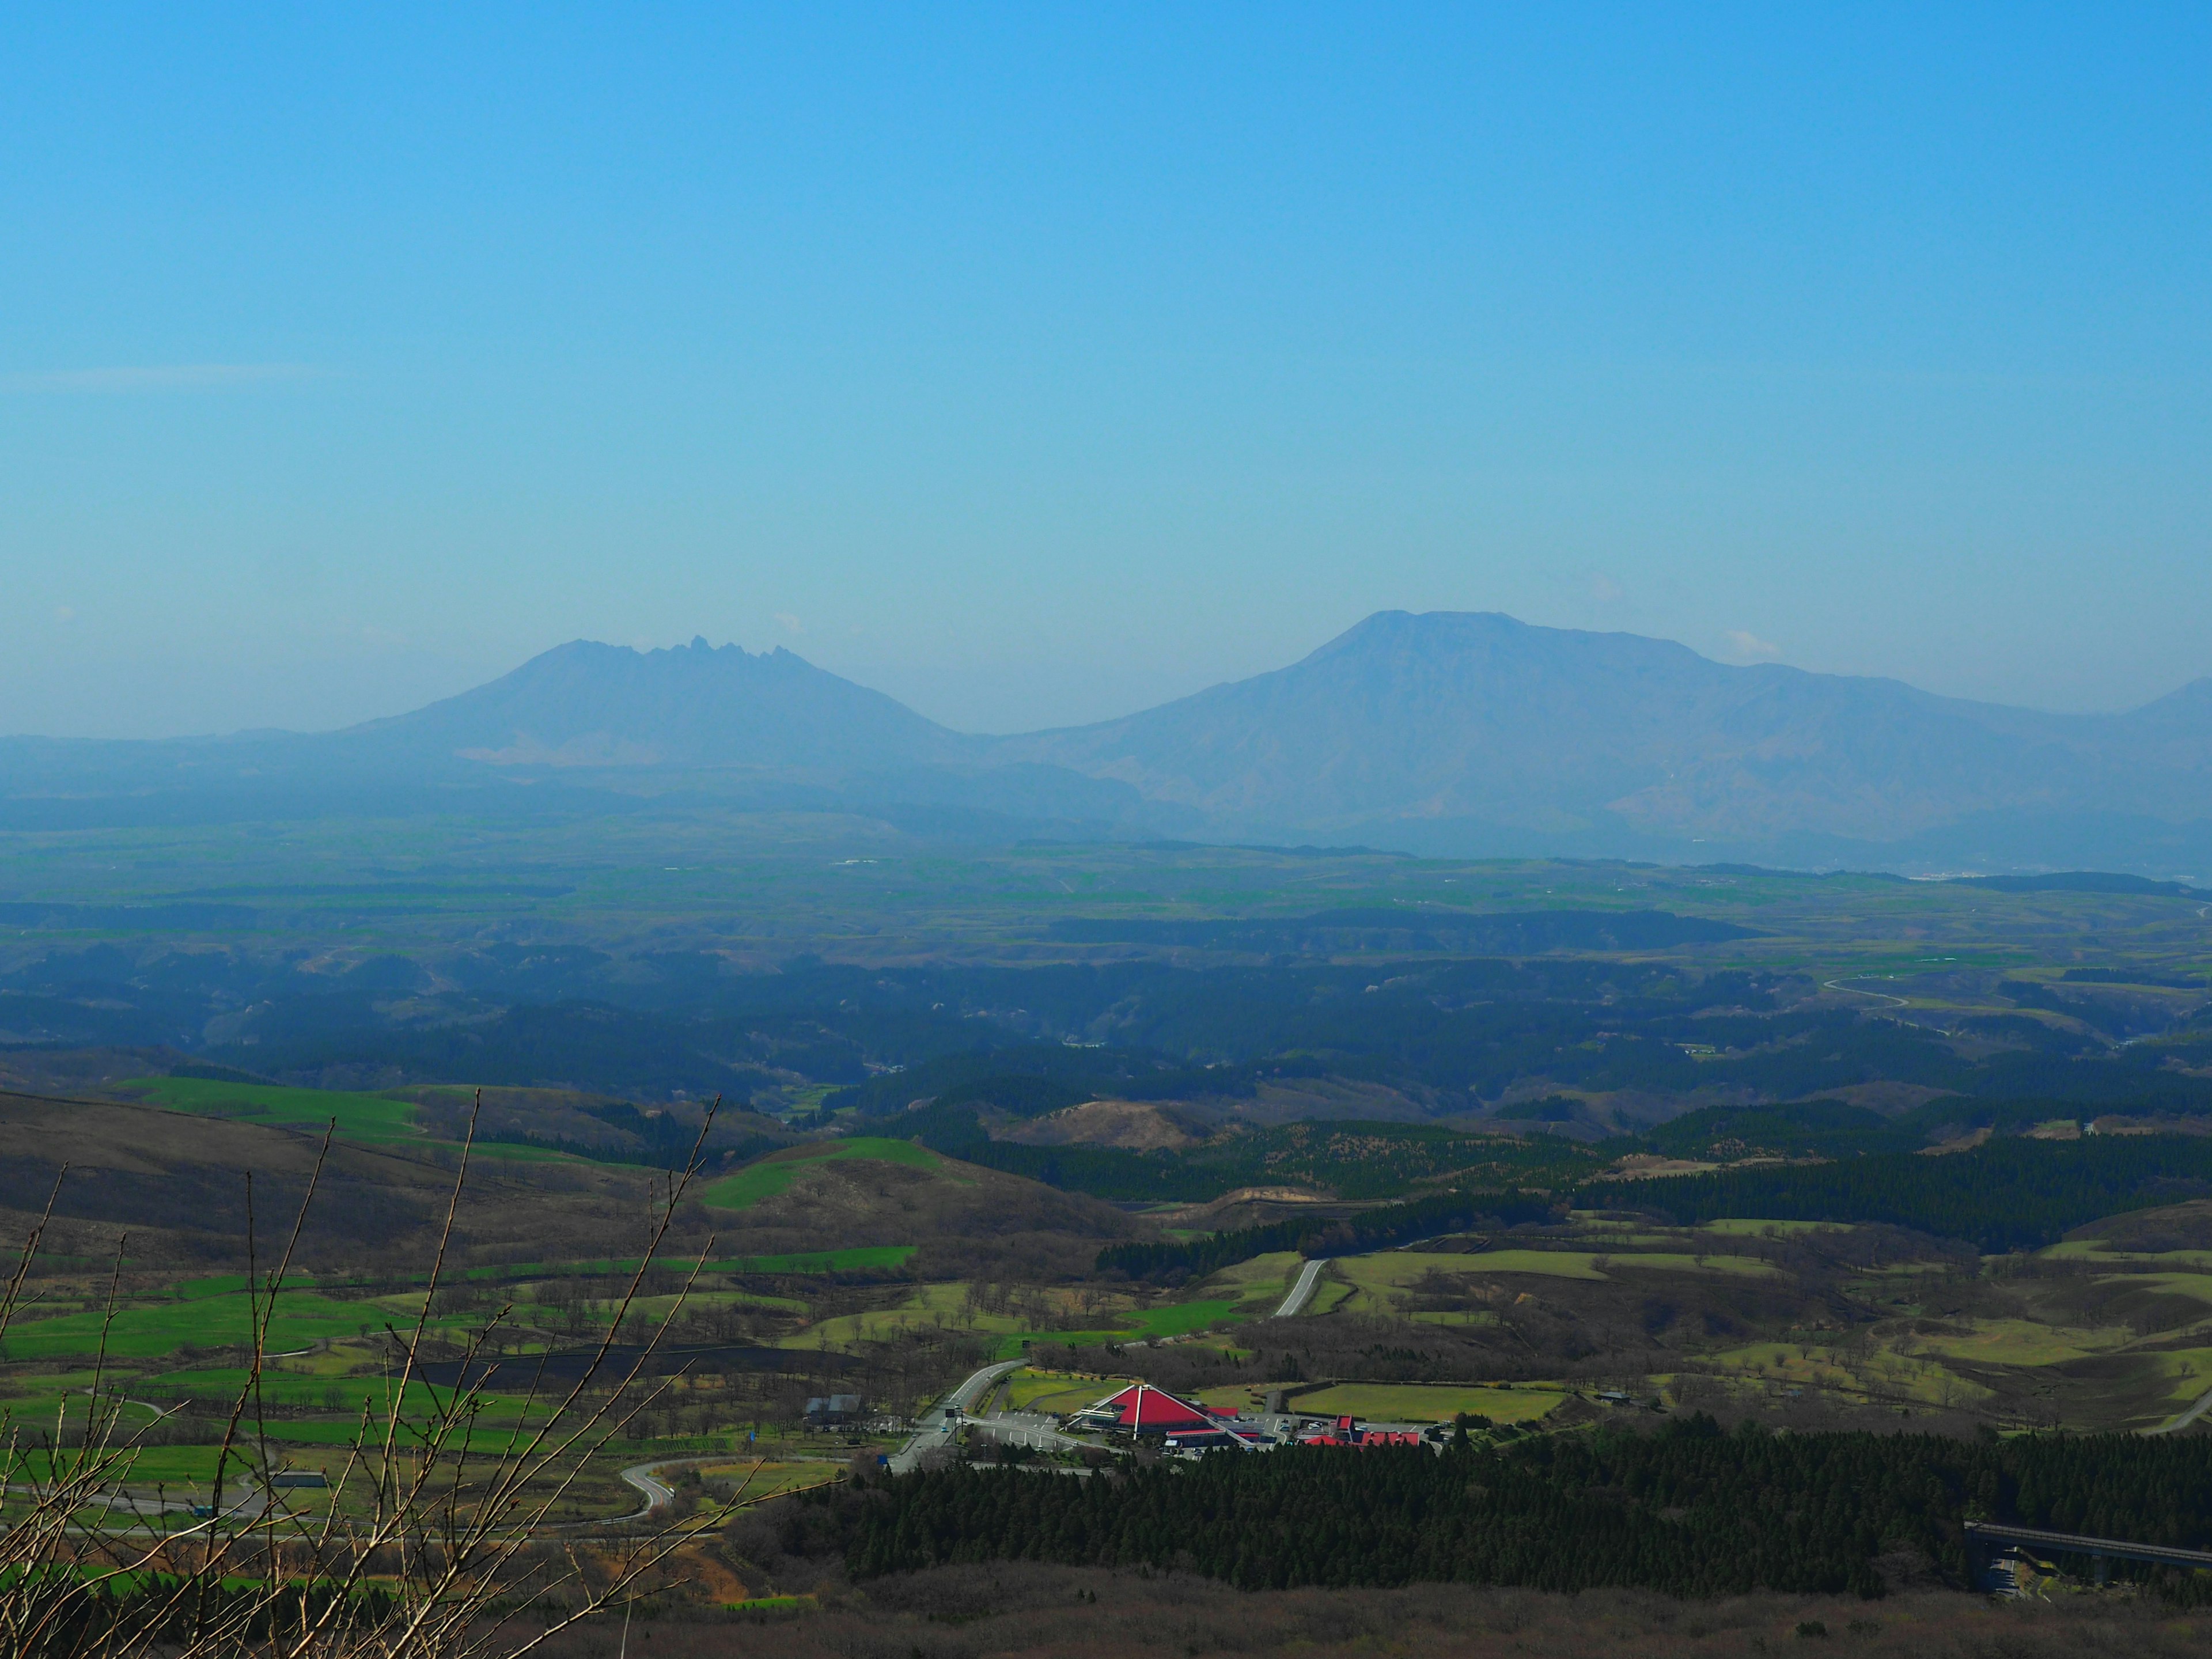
(1749, 645)
(155, 377)
(790, 623)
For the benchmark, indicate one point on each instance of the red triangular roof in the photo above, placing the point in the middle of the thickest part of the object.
(1141, 1406)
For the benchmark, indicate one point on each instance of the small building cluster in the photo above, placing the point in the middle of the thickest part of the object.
(832, 1410)
(1144, 1414)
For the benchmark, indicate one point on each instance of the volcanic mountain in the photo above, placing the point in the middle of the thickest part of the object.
(1447, 733)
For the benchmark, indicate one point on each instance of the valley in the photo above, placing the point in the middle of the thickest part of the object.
(1490, 1158)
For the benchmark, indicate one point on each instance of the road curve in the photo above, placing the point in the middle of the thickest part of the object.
(937, 1427)
(1838, 985)
(2204, 1404)
(1301, 1292)
(646, 1477)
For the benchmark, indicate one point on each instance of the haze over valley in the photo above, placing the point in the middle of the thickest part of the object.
(1460, 734)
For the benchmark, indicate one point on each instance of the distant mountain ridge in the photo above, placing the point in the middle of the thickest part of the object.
(1448, 732)
(1421, 724)
(585, 704)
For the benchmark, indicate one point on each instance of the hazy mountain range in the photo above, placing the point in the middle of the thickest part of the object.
(1443, 733)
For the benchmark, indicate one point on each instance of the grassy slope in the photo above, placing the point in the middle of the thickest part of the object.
(368, 1118)
(772, 1173)
(149, 1331)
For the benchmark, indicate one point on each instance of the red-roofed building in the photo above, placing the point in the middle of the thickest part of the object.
(1141, 1409)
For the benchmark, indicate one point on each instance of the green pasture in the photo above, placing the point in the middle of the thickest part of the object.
(1259, 1284)
(1330, 1295)
(774, 1173)
(946, 1306)
(153, 1465)
(2196, 1286)
(2093, 1249)
(1178, 1319)
(34, 1414)
(930, 1305)
(337, 1393)
(485, 1439)
(2017, 1342)
(862, 1258)
(766, 1479)
(1058, 1391)
(195, 1290)
(516, 1151)
(2186, 1374)
(302, 1319)
(369, 1118)
(655, 1309)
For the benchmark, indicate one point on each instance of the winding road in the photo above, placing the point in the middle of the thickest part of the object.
(646, 1477)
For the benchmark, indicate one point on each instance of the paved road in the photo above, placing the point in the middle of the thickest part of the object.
(941, 1423)
(2204, 1403)
(1851, 991)
(1301, 1292)
(646, 1477)
(1036, 1430)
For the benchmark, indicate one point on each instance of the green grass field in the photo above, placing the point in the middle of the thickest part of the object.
(148, 1333)
(774, 1173)
(929, 1305)
(152, 1465)
(2017, 1342)
(766, 1479)
(1058, 1391)
(367, 1118)
(150, 1330)
(1181, 1318)
(281, 1387)
(1258, 1284)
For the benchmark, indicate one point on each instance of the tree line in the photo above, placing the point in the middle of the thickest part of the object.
(2012, 1193)
(1689, 1510)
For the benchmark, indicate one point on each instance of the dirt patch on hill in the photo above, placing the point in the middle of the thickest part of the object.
(1293, 1100)
(1140, 1126)
(1254, 1207)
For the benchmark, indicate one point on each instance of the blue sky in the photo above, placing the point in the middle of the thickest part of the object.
(1038, 364)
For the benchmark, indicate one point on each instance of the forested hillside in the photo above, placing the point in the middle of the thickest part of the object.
(1686, 1509)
